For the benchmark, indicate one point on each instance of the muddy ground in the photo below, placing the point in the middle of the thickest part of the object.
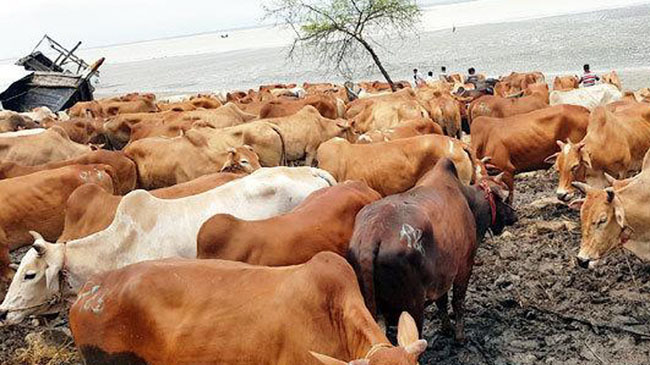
(528, 303)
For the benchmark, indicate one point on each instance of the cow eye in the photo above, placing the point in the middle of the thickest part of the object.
(602, 220)
(243, 162)
(30, 275)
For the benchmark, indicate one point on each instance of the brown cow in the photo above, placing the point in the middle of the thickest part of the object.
(11, 121)
(414, 246)
(123, 174)
(445, 111)
(40, 148)
(499, 107)
(395, 166)
(325, 105)
(205, 102)
(522, 142)
(290, 315)
(359, 105)
(516, 82)
(303, 133)
(36, 203)
(322, 222)
(566, 83)
(387, 113)
(614, 144)
(81, 130)
(409, 128)
(163, 162)
(109, 107)
(91, 209)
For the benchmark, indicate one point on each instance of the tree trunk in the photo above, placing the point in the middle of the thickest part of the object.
(377, 62)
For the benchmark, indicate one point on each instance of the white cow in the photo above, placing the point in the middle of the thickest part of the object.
(589, 97)
(147, 228)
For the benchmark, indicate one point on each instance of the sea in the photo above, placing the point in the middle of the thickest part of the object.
(608, 39)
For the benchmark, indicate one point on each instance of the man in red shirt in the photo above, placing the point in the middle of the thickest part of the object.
(589, 78)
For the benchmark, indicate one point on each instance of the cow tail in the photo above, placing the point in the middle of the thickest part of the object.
(283, 158)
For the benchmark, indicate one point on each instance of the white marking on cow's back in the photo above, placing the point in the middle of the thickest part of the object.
(451, 146)
(413, 237)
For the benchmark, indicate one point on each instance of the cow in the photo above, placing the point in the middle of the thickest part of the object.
(387, 113)
(147, 228)
(409, 128)
(37, 202)
(357, 106)
(325, 314)
(395, 166)
(123, 173)
(39, 147)
(516, 82)
(11, 121)
(445, 111)
(500, 107)
(304, 131)
(612, 79)
(201, 101)
(109, 107)
(163, 162)
(322, 222)
(412, 247)
(81, 130)
(614, 144)
(588, 97)
(326, 106)
(91, 209)
(522, 143)
(614, 217)
(566, 83)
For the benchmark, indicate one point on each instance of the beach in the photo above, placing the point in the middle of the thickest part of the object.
(612, 39)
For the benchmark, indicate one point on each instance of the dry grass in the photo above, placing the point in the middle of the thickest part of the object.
(40, 351)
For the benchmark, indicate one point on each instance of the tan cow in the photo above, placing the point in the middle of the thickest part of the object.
(409, 128)
(303, 133)
(564, 83)
(201, 101)
(109, 107)
(11, 122)
(516, 82)
(612, 78)
(616, 217)
(395, 166)
(385, 114)
(357, 106)
(163, 162)
(615, 144)
(325, 105)
(499, 107)
(290, 315)
(445, 111)
(522, 142)
(91, 209)
(39, 147)
(322, 222)
(123, 173)
(81, 130)
(37, 202)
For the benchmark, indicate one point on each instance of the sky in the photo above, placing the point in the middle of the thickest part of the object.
(101, 23)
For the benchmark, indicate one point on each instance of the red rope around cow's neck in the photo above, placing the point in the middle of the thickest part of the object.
(487, 192)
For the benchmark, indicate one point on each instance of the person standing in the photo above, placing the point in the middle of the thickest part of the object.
(443, 74)
(588, 78)
(418, 78)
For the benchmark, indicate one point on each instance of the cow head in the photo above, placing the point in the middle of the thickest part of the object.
(604, 227)
(496, 193)
(241, 159)
(571, 164)
(407, 353)
(36, 282)
(346, 130)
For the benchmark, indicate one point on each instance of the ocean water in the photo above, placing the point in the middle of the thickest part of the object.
(614, 39)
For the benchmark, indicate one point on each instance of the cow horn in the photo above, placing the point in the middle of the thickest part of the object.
(584, 188)
(486, 159)
(610, 179)
(14, 267)
(37, 236)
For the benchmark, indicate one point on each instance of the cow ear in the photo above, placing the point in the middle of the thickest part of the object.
(407, 330)
(584, 154)
(576, 204)
(326, 360)
(619, 213)
(560, 144)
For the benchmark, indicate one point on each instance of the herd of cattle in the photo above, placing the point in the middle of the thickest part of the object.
(185, 230)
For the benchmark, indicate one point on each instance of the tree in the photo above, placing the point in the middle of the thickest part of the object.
(336, 31)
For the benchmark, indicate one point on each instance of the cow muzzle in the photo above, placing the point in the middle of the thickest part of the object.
(564, 196)
(583, 263)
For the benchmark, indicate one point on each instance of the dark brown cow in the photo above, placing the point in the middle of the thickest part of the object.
(522, 142)
(123, 174)
(290, 315)
(413, 247)
(322, 222)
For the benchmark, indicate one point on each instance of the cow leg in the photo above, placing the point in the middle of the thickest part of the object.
(457, 302)
(509, 180)
(309, 157)
(443, 313)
